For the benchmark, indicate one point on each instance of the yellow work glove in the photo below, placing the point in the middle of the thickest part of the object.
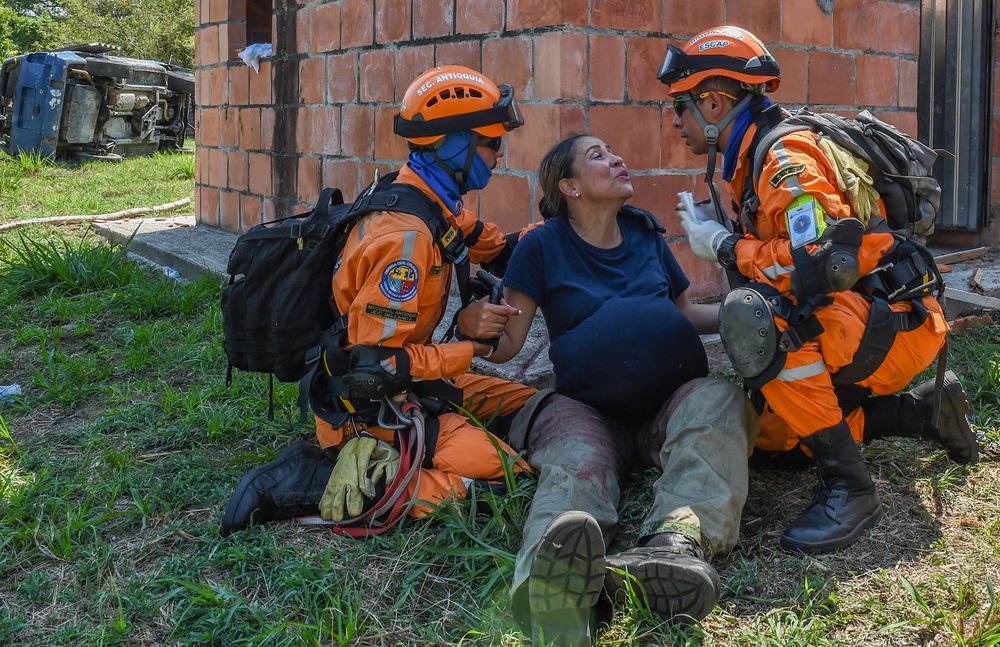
(853, 179)
(384, 463)
(349, 480)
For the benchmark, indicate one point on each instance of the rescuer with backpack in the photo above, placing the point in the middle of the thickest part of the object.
(390, 287)
(828, 307)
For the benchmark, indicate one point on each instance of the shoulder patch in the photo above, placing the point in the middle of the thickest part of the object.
(390, 313)
(786, 172)
(399, 281)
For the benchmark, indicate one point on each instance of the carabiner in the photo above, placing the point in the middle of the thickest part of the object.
(387, 403)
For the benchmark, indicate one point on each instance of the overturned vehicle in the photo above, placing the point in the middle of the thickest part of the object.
(85, 103)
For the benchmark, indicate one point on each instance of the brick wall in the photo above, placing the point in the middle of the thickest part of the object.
(319, 113)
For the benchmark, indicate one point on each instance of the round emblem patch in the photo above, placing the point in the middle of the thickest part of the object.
(802, 224)
(399, 281)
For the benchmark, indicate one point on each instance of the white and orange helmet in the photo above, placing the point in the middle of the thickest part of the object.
(721, 51)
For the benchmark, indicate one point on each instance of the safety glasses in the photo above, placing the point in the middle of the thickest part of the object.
(675, 66)
(507, 107)
(493, 142)
(680, 101)
(504, 113)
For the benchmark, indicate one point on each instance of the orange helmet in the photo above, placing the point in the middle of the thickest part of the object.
(721, 51)
(452, 98)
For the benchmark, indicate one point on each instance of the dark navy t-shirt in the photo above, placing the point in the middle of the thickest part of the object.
(617, 340)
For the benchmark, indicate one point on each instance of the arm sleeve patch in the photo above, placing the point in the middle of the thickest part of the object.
(399, 281)
(805, 220)
(786, 172)
(390, 313)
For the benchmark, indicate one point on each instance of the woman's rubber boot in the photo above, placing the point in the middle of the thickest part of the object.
(844, 502)
(566, 580)
(289, 486)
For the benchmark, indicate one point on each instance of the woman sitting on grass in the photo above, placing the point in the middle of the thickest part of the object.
(631, 391)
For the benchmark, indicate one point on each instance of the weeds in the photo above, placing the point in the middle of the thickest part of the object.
(57, 263)
(182, 165)
(7, 444)
(965, 620)
(31, 162)
(10, 178)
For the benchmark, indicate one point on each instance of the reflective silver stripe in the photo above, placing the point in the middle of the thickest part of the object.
(776, 270)
(387, 366)
(405, 254)
(792, 181)
(809, 370)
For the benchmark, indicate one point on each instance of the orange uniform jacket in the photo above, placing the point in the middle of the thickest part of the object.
(393, 285)
(802, 396)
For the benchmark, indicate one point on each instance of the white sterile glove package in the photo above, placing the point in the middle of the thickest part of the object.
(703, 210)
(705, 234)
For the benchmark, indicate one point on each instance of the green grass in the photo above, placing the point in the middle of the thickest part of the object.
(118, 459)
(32, 186)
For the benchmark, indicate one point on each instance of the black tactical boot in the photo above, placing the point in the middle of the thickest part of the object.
(679, 583)
(289, 486)
(844, 502)
(566, 579)
(953, 430)
(908, 415)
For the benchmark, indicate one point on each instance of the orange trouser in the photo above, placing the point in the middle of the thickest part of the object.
(464, 451)
(801, 399)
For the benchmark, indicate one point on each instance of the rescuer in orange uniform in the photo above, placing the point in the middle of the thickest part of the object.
(829, 330)
(392, 284)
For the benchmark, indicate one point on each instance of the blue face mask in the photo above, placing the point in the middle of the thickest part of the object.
(732, 153)
(453, 152)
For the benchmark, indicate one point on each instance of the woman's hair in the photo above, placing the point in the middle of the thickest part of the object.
(556, 165)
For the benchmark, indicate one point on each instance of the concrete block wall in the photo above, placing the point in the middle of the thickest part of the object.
(319, 112)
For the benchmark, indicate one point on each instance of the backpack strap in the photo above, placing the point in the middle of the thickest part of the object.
(383, 195)
(766, 118)
(880, 333)
(409, 199)
(759, 150)
(302, 227)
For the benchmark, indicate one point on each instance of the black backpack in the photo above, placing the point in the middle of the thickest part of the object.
(279, 300)
(901, 167)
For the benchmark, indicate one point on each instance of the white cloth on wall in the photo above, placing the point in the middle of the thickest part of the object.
(252, 54)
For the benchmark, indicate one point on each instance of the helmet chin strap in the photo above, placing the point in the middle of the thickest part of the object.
(460, 177)
(712, 138)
